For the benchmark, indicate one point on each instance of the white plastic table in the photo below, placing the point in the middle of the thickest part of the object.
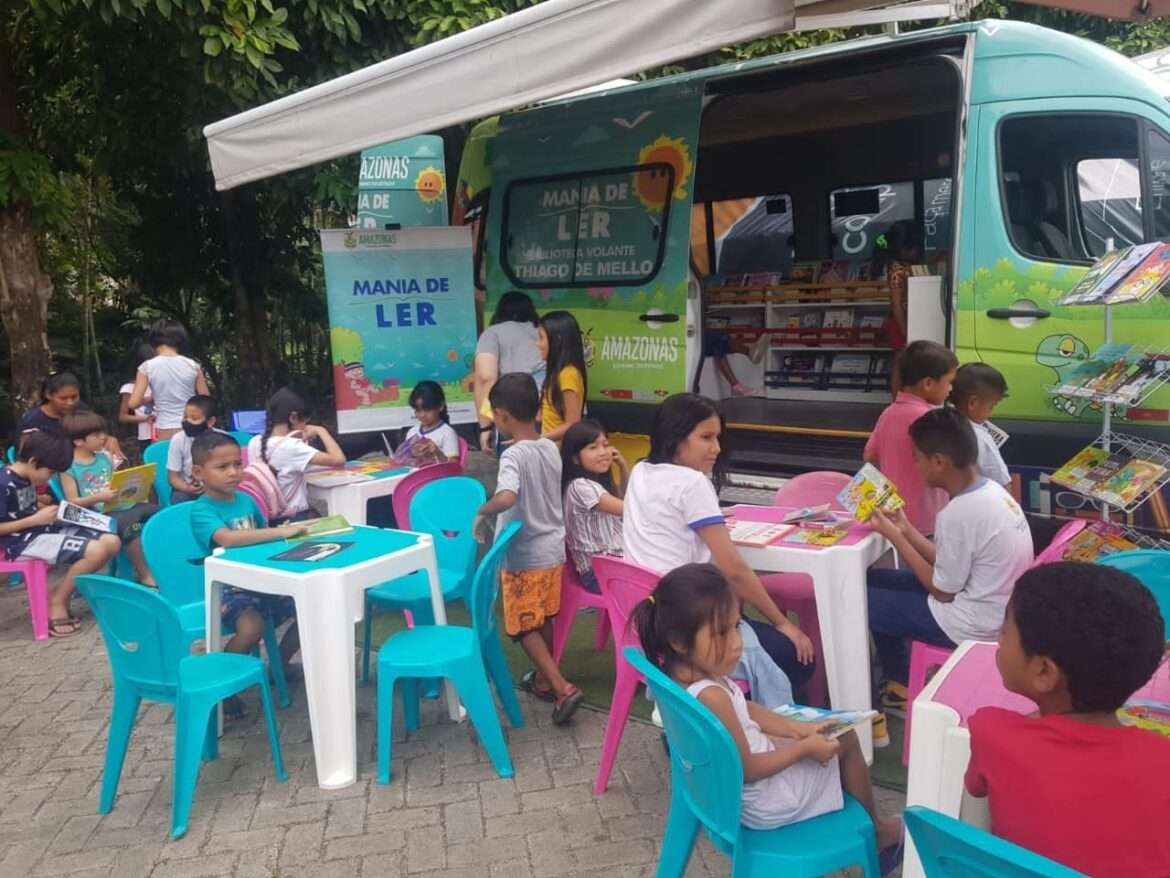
(838, 574)
(330, 598)
(940, 746)
(350, 499)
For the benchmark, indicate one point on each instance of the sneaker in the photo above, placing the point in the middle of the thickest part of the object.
(566, 706)
(893, 698)
(881, 734)
(656, 717)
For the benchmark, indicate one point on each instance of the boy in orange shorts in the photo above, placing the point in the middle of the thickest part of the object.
(528, 490)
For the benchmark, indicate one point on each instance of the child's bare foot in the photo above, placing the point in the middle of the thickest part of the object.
(147, 580)
(888, 831)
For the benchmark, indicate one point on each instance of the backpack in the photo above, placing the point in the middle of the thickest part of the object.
(260, 480)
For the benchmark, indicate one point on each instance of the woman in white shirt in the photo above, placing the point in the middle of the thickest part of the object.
(169, 377)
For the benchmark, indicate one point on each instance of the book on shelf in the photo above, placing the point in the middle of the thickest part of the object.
(862, 269)
(838, 318)
(71, 513)
(869, 490)
(1074, 472)
(1133, 479)
(852, 364)
(804, 272)
(1098, 539)
(809, 320)
(1106, 273)
(1150, 276)
(835, 273)
(1115, 477)
(871, 321)
(756, 534)
(841, 720)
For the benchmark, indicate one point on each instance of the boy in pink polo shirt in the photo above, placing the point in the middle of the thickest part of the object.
(927, 370)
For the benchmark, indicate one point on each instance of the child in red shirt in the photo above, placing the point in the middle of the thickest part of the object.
(1073, 784)
(926, 370)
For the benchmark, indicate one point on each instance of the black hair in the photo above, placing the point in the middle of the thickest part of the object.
(923, 359)
(206, 443)
(516, 394)
(82, 424)
(977, 379)
(140, 352)
(171, 333)
(429, 395)
(675, 419)
(58, 381)
(946, 432)
(282, 405)
(53, 451)
(565, 350)
(205, 404)
(902, 242)
(515, 307)
(1099, 625)
(686, 599)
(584, 432)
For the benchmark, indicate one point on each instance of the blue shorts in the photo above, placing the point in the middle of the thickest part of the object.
(278, 608)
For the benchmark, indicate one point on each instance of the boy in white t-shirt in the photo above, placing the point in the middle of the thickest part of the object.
(198, 417)
(957, 587)
(975, 392)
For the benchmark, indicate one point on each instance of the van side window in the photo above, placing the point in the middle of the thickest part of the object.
(859, 215)
(753, 234)
(936, 214)
(1158, 160)
(600, 229)
(1068, 181)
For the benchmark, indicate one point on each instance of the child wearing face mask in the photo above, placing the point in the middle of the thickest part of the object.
(199, 416)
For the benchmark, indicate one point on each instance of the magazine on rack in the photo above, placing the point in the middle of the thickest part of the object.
(1105, 274)
(867, 491)
(1145, 280)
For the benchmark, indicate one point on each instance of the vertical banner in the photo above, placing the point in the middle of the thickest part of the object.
(401, 310)
(403, 184)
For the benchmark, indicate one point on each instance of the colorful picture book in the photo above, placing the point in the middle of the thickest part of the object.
(838, 318)
(1116, 374)
(1147, 714)
(867, 491)
(326, 527)
(1115, 477)
(71, 513)
(1106, 273)
(132, 486)
(807, 535)
(1147, 278)
(756, 533)
(842, 720)
(808, 513)
(1097, 540)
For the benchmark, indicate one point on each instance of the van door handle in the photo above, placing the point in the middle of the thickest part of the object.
(1009, 313)
(658, 318)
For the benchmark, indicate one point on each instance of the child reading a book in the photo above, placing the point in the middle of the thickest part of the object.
(975, 392)
(87, 483)
(954, 588)
(31, 532)
(926, 370)
(593, 502)
(528, 490)
(223, 516)
(433, 438)
(199, 416)
(791, 771)
(1071, 783)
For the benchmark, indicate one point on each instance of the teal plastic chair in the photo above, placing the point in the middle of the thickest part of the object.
(242, 437)
(156, 453)
(445, 509)
(144, 640)
(949, 848)
(1152, 568)
(706, 789)
(11, 453)
(176, 560)
(465, 656)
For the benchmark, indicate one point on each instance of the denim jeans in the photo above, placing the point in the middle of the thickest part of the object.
(769, 683)
(898, 612)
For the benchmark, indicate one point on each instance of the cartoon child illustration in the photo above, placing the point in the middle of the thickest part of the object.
(359, 384)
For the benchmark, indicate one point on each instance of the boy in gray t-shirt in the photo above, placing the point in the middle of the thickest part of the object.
(528, 491)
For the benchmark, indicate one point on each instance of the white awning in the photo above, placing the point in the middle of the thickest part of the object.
(556, 47)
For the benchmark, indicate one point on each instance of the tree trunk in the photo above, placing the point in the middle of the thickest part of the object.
(24, 304)
(251, 316)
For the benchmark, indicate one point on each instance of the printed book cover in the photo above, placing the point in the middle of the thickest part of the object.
(756, 533)
(1145, 280)
(869, 490)
(311, 552)
(71, 513)
(842, 720)
(132, 486)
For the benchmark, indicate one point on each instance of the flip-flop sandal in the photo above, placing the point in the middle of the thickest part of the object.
(567, 705)
(64, 627)
(528, 684)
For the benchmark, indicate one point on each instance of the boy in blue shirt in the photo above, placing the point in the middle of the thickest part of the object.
(223, 516)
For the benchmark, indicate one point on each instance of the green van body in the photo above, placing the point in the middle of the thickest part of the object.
(1008, 71)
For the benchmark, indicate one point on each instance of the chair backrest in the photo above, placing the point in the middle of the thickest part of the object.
(11, 454)
(950, 848)
(1152, 567)
(405, 490)
(485, 585)
(812, 489)
(251, 421)
(156, 453)
(1054, 551)
(704, 765)
(624, 585)
(171, 550)
(258, 499)
(445, 509)
(55, 487)
(143, 636)
(462, 453)
(242, 436)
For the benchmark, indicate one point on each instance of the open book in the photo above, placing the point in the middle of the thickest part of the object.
(756, 533)
(132, 486)
(870, 490)
(326, 527)
(842, 720)
(71, 513)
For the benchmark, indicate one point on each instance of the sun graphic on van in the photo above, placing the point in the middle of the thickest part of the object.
(651, 186)
(429, 184)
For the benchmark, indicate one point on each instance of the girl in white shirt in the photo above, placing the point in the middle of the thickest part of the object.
(169, 377)
(285, 447)
(592, 502)
(433, 435)
(791, 771)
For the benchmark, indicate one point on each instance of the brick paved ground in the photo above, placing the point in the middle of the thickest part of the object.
(445, 813)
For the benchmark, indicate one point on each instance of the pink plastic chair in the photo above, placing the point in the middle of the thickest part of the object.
(1055, 550)
(794, 591)
(405, 490)
(462, 452)
(574, 596)
(624, 586)
(36, 581)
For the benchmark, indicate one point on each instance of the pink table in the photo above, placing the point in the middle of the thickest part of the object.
(940, 747)
(838, 574)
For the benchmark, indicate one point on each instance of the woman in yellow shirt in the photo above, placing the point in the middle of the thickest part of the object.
(562, 399)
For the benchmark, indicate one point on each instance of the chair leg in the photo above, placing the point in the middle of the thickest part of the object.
(275, 662)
(273, 734)
(385, 717)
(126, 702)
(619, 710)
(603, 628)
(408, 689)
(422, 613)
(211, 738)
(36, 583)
(191, 722)
(563, 623)
(497, 669)
(367, 637)
(678, 840)
(915, 683)
(471, 682)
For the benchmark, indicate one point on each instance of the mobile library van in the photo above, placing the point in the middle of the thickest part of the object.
(754, 198)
